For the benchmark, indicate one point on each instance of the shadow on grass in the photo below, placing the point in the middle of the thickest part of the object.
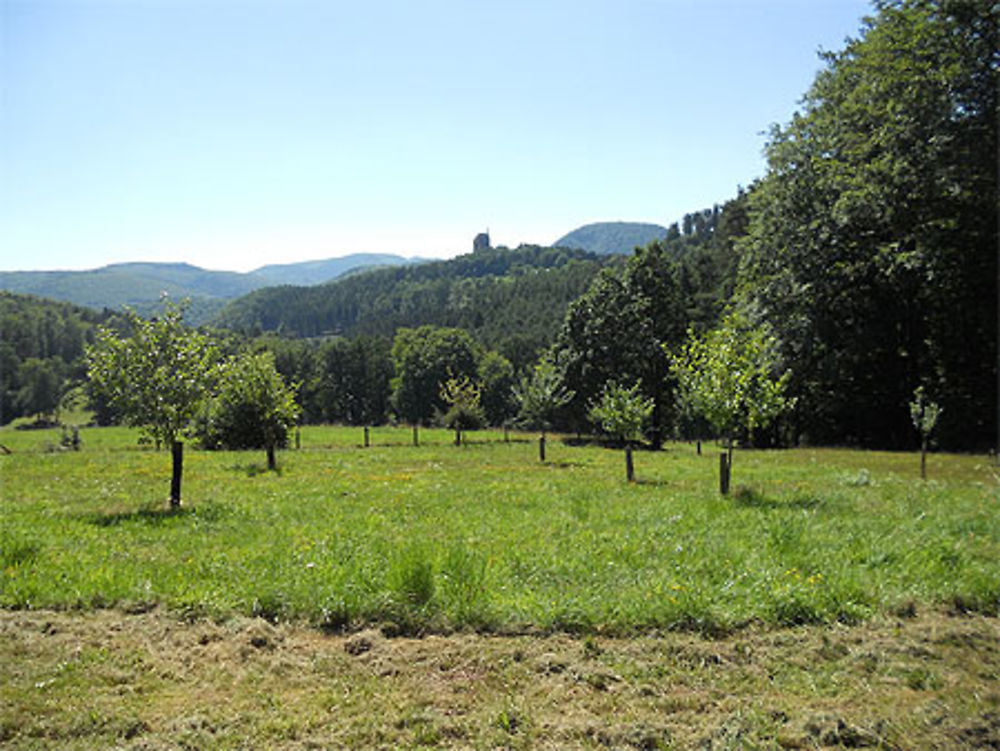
(753, 498)
(653, 483)
(252, 469)
(150, 516)
(155, 516)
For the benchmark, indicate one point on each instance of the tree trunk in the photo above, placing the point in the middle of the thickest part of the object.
(458, 436)
(506, 434)
(298, 438)
(416, 435)
(366, 436)
(724, 469)
(177, 455)
(923, 459)
(699, 447)
(541, 447)
(629, 467)
(271, 463)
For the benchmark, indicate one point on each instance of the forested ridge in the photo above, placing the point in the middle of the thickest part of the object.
(508, 298)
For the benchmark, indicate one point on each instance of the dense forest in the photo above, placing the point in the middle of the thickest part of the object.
(510, 300)
(867, 253)
(41, 352)
(872, 240)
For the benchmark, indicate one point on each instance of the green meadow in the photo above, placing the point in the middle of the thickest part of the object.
(483, 537)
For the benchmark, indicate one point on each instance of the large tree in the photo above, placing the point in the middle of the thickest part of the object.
(616, 331)
(424, 358)
(352, 385)
(156, 378)
(872, 242)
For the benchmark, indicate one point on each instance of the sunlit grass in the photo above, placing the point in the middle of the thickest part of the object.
(483, 536)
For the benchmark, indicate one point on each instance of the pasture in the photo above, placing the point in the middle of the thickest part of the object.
(561, 606)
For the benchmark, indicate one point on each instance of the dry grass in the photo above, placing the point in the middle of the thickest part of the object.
(150, 681)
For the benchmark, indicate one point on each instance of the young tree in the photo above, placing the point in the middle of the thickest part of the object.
(729, 376)
(254, 407)
(539, 396)
(156, 379)
(623, 413)
(924, 414)
(464, 409)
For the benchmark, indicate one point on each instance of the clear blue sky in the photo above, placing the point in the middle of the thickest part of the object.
(235, 133)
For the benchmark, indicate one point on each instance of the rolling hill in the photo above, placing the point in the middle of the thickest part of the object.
(513, 300)
(141, 285)
(612, 237)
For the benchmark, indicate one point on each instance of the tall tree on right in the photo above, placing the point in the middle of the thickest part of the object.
(872, 240)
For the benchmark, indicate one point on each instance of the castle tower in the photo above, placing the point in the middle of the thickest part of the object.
(481, 242)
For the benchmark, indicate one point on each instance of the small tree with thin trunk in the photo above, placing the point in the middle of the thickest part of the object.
(730, 377)
(925, 414)
(623, 413)
(157, 379)
(465, 412)
(539, 396)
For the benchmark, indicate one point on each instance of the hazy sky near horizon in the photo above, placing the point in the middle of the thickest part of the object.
(236, 133)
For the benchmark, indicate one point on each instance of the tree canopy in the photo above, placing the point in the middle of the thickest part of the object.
(872, 239)
(156, 378)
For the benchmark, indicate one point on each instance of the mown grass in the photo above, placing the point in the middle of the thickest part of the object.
(483, 537)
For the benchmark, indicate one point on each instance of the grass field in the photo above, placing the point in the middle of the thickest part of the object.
(483, 545)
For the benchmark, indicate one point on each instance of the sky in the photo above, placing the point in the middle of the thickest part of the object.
(231, 134)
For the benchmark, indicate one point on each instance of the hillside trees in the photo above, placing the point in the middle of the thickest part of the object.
(157, 379)
(41, 386)
(352, 381)
(510, 301)
(41, 351)
(872, 239)
(618, 329)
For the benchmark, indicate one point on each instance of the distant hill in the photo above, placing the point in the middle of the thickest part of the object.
(607, 238)
(140, 285)
(511, 300)
(318, 272)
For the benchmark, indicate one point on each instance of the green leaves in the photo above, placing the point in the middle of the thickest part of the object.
(254, 408)
(462, 396)
(541, 394)
(872, 239)
(924, 413)
(729, 376)
(157, 378)
(622, 412)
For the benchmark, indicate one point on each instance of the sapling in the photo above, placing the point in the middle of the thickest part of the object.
(924, 413)
(623, 413)
(539, 396)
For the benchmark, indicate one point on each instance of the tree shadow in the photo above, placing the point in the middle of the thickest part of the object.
(252, 469)
(148, 516)
(753, 498)
(652, 483)
(153, 517)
